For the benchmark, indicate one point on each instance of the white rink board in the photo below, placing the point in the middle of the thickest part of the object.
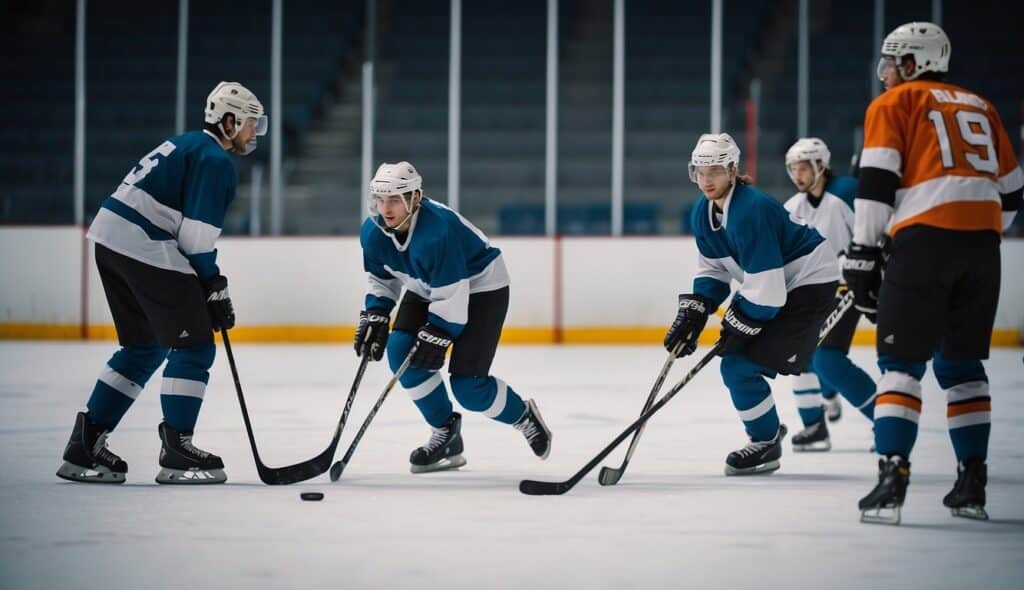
(673, 522)
(40, 275)
(319, 281)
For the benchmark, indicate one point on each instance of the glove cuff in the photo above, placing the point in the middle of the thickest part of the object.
(433, 335)
(735, 321)
(694, 302)
(376, 316)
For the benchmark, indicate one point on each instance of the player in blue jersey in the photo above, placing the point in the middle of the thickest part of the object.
(825, 202)
(456, 295)
(788, 277)
(155, 238)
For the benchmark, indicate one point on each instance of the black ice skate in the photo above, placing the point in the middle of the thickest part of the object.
(182, 463)
(757, 457)
(443, 450)
(967, 499)
(833, 408)
(882, 505)
(86, 457)
(812, 439)
(536, 432)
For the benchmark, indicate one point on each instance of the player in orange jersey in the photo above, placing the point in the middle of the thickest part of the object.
(938, 174)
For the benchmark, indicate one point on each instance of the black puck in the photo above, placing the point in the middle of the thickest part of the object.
(311, 496)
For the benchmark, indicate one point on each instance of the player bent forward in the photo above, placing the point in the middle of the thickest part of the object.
(788, 277)
(457, 294)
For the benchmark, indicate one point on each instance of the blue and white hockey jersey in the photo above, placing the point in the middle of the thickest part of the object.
(444, 259)
(760, 246)
(832, 216)
(170, 208)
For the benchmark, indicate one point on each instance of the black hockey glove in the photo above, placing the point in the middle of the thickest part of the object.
(862, 270)
(431, 345)
(737, 331)
(691, 316)
(372, 334)
(218, 301)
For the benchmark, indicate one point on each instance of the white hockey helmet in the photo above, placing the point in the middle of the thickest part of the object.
(232, 97)
(926, 42)
(395, 179)
(714, 149)
(809, 149)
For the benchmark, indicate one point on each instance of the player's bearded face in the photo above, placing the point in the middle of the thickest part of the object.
(803, 175)
(715, 181)
(245, 141)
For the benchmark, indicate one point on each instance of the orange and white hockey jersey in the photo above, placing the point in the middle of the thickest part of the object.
(953, 163)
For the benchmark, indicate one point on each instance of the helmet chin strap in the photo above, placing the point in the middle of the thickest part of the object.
(409, 209)
(225, 133)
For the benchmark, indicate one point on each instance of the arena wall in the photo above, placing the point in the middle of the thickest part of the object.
(310, 289)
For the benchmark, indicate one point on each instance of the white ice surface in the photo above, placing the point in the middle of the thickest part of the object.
(674, 521)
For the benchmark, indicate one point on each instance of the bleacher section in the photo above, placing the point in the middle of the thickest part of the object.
(131, 76)
(37, 116)
(130, 89)
(843, 59)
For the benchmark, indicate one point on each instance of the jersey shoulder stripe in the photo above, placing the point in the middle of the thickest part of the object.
(948, 148)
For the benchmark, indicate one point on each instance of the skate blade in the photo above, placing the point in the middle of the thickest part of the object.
(190, 476)
(763, 468)
(972, 512)
(100, 474)
(820, 446)
(888, 515)
(453, 462)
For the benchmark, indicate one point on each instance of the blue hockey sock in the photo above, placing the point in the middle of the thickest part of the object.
(968, 405)
(121, 381)
(184, 385)
(489, 395)
(751, 395)
(808, 397)
(425, 388)
(838, 372)
(897, 406)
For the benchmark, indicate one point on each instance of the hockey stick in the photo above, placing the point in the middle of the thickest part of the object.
(610, 476)
(549, 488)
(339, 466)
(306, 469)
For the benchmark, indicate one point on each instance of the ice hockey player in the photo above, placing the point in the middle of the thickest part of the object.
(825, 202)
(938, 171)
(788, 276)
(155, 238)
(456, 295)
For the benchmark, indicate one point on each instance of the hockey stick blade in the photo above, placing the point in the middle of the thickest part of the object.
(306, 469)
(532, 487)
(609, 476)
(542, 488)
(336, 470)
